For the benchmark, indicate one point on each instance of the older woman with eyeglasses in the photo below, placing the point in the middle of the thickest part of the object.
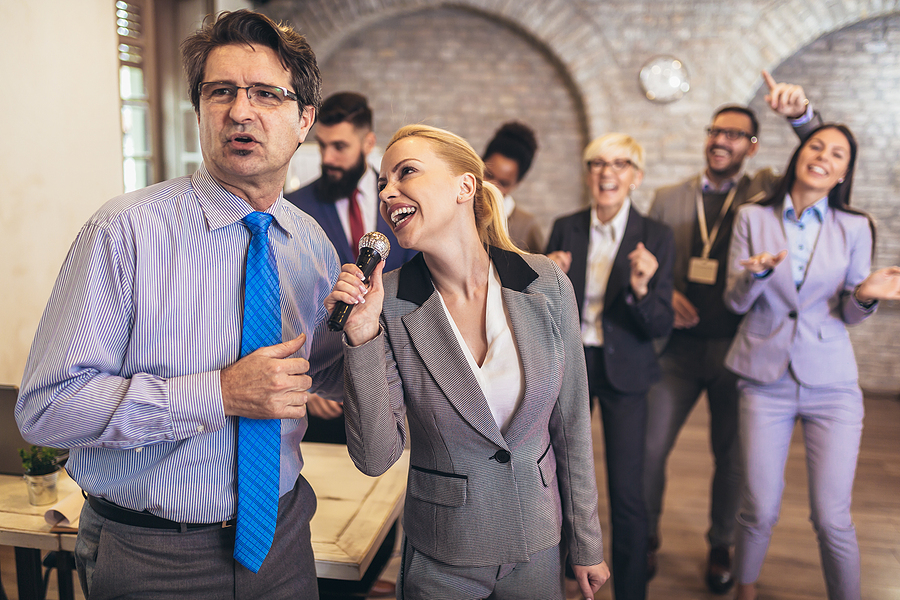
(620, 264)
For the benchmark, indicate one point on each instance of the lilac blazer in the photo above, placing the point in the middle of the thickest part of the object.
(804, 328)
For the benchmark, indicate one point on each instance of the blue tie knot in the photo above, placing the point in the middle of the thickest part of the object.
(258, 222)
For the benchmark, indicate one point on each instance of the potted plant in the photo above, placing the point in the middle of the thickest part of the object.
(41, 473)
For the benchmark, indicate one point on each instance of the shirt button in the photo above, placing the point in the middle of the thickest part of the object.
(138, 449)
(200, 428)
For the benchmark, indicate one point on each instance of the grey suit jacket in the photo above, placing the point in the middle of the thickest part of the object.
(477, 497)
(803, 328)
(676, 206)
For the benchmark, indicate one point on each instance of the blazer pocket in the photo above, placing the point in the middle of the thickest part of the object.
(758, 326)
(435, 487)
(547, 466)
(830, 330)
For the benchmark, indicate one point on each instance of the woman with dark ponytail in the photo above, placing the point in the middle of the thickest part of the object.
(507, 159)
(793, 353)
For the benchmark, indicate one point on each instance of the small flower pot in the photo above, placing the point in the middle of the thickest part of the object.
(42, 488)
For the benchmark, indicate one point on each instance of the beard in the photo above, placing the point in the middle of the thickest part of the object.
(332, 190)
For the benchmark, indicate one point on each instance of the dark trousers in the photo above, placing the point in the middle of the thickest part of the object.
(122, 561)
(624, 419)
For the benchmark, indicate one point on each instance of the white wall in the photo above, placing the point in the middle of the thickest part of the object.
(61, 150)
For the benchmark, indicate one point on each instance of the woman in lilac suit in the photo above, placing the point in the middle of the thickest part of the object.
(799, 268)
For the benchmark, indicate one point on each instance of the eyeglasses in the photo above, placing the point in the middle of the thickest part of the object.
(620, 164)
(259, 95)
(730, 134)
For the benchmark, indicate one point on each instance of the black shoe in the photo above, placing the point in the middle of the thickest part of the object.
(652, 547)
(718, 570)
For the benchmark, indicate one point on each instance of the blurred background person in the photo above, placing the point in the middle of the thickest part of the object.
(344, 201)
(506, 160)
(793, 353)
(620, 264)
(478, 346)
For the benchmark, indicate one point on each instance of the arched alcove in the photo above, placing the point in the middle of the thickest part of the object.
(464, 71)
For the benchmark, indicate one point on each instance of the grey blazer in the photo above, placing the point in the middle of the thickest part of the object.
(476, 497)
(803, 328)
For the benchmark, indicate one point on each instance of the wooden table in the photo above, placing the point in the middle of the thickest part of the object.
(354, 514)
(23, 526)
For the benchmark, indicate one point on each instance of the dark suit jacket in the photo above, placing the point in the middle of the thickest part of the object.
(629, 326)
(307, 200)
(476, 496)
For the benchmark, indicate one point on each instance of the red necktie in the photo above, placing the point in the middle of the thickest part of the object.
(357, 229)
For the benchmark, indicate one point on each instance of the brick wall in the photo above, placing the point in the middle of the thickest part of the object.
(569, 68)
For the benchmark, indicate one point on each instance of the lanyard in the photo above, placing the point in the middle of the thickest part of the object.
(706, 237)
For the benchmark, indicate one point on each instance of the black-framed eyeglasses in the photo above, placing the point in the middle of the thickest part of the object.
(598, 164)
(259, 95)
(730, 134)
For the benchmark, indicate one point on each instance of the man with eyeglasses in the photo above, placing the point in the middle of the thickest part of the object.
(700, 211)
(157, 367)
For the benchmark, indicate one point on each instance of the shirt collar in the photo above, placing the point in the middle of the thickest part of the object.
(706, 186)
(616, 225)
(222, 208)
(819, 209)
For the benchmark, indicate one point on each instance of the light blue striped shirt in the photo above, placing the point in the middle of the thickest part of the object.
(146, 311)
(802, 234)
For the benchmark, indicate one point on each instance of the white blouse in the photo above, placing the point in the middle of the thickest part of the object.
(501, 376)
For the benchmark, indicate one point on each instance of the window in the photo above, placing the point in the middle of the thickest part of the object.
(134, 28)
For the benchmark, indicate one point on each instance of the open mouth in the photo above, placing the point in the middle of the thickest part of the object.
(818, 170)
(608, 186)
(402, 214)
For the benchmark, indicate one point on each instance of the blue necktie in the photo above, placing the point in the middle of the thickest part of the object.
(259, 441)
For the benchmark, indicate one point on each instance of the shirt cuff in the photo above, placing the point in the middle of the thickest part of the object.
(195, 402)
(762, 274)
(803, 119)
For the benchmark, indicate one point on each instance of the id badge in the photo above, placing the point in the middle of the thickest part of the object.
(703, 270)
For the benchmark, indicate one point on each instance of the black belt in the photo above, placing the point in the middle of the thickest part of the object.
(126, 516)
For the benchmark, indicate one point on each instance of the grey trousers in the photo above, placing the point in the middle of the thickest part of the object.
(423, 578)
(831, 418)
(690, 366)
(122, 561)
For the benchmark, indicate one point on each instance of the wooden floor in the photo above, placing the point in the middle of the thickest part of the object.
(792, 570)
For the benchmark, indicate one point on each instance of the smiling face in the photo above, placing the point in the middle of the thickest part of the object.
(823, 161)
(725, 157)
(420, 197)
(247, 147)
(611, 175)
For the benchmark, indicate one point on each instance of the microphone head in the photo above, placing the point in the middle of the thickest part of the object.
(377, 241)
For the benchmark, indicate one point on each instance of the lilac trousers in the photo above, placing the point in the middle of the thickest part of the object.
(831, 418)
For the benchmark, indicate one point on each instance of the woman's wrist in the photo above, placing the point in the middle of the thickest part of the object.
(863, 299)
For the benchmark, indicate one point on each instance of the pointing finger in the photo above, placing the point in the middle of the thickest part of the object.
(770, 81)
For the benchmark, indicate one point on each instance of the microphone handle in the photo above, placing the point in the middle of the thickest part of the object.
(367, 261)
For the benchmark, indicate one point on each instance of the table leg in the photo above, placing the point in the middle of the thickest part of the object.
(29, 574)
(64, 575)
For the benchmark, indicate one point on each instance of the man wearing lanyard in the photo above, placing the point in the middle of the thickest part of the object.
(700, 211)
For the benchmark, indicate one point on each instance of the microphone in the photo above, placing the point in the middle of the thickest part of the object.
(373, 248)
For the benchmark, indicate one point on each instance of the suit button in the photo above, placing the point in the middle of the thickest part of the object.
(501, 456)
(792, 314)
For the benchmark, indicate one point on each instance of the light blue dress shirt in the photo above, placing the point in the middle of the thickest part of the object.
(802, 234)
(146, 311)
